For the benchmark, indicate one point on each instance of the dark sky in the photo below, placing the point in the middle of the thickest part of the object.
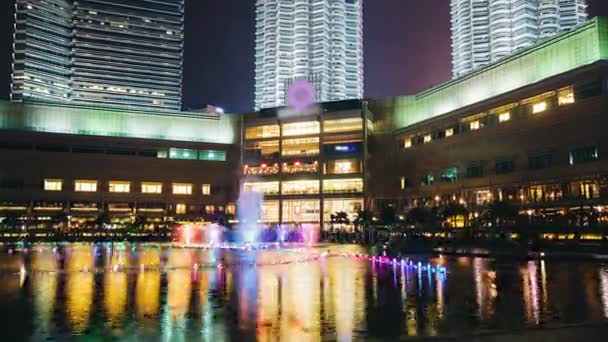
(407, 48)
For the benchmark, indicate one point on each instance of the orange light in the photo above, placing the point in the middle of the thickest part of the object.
(264, 165)
(297, 163)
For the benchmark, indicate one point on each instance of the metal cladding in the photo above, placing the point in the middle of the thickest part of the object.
(485, 31)
(108, 53)
(320, 41)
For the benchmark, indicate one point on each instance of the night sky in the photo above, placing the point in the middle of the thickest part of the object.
(406, 42)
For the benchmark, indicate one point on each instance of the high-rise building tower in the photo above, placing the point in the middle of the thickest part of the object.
(484, 31)
(320, 41)
(109, 53)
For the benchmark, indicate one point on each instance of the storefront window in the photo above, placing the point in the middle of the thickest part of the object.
(266, 188)
(343, 185)
(343, 125)
(301, 211)
(116, 186)
(565, 96)
(303, 187)
(301, 147)
(300, 167)
(343, 166)
(261, 132)
(85, 186)
(350, 206)
(301, 128)
(270, 211)
(262, 148)
(262, 170)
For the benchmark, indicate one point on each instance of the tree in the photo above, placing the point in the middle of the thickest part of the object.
(388, 216)
(102, 219)
(340, 218)
(60, 220)
(420, 217)
(500, 212)
(363, 220)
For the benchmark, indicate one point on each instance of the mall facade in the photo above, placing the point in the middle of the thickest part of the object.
(528, 129)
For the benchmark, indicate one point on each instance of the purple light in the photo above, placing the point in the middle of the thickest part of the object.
(301, 95)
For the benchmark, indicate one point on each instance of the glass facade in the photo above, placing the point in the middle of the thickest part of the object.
(301, 147)
(270, 211)
(351, 206)
(301, 211)
(212, 155)
(301, 128)
(343, 166)
(301, 187)
(262, 132)
(266, 188)
(343, 125)
(262, 149)
(353, 185)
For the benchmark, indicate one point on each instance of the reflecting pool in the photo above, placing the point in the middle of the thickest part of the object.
(161, 292)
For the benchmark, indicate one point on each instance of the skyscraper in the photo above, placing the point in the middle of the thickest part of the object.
(484, 31)
(320, 41)
(109, 53)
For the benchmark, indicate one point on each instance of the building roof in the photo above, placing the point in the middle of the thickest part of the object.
(571, 50)
(84, 120)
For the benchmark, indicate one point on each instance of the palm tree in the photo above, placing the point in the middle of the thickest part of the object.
(340, 218)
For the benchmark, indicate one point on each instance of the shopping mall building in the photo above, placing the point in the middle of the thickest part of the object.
(528, 129)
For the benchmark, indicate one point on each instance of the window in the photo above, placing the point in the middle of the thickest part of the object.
(303, 187)
(449, 132)
(260, 132)
(506, 166)
(539, 107)
(343, 166)
(178, 153)
(53, 185)
(270, 211)
(301, 128)
(300, 167)
(351, 206)
(266, 188)
(504, 117)
(407, 143)
(209, 209)
(474, 171)
(427, 179)
(262, 149)
(85, 186)
(206, 189)
(151, 188)
(182, 189)
(449, 175)
(301, 147)
(565, 96)
(583, 155)
(474, 125)
(180, 209)
(343, 125)
(539, 162)
(212, 155)
(403, 183)
(301, 211)
(427, 138)
(115, 186)
(353, 185)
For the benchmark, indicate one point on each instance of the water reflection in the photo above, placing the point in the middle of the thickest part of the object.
(156, 292)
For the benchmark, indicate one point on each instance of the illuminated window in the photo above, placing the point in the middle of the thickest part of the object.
(449, 132)
(266, 188)
(304, 187)
(182, 189)
(301, 147)
(343, 185)
(231, 209)
(206, 189)
(350, 206)
(474, 125)
(301, 211)
(539, 107)
(565, 96)
(449, 175)
(407, 143)
(427, 138)
(300, 167)
(262, 148)
(151, 188)
(583, 155)
(260, 132)
(53, 184)
(212, 155)
(504, 117)
(209, 209)
(85, 186)
(403, 183)
(301, 128)
(343, 166)
(270, 211)
(180, 209)
(115, 186)
(427, 179)
(343, 125)
(179, 153)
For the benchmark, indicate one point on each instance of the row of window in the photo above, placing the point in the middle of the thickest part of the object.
(306, 187)
(304, 128)
(342, 166)
(170, 153)
(302, 147)
(579, 155)
(505, 113)
(125, 187)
